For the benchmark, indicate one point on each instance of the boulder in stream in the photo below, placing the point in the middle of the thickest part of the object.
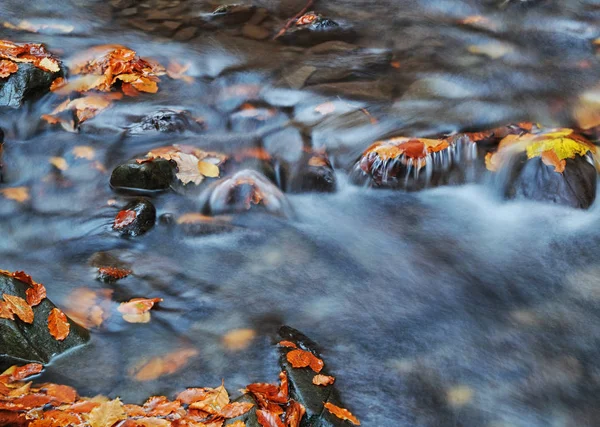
(152, 175)
(555, 165)
(136, 218)
(22, 342)
(312, 29)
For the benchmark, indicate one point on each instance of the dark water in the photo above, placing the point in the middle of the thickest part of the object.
(448, 307)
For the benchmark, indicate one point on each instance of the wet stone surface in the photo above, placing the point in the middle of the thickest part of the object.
(155, 175)
(27, 83)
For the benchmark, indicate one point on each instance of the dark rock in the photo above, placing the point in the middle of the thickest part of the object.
(301, 387)
(136, 218)
(255, 32)
(155, 175)
(185, 34)
(165, 120)
(28, 82)
(23, 343)
(244, 191)
(312, 173)
(318, 31)
(249, 418)
(532, 179)
(166, 219)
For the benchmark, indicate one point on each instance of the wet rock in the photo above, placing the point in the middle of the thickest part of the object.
(249, 418)
(413, 163)
(22, 343)
(242, 192)
(312, 173)
(333, 47)
(193, 224)
(301, 387)
(185, 34)
(135, 218)
(155, 175)
(255, 32)
(167, 121)
(28, 82)
(553, 166)
(312, 29)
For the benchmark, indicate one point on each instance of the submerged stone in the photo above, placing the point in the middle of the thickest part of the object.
(312, 29)
(166, 121)
(135, 218)
(312, 173)
(28, 82)
(246, 190)
(23, 343)
(154, 175)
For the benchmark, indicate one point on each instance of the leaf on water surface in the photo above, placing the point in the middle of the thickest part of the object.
(35, 294)
(138, 305)
(18, 194)
(302, 359)
(84, 152)
(59, 163)
(175, 70)
(7, 68)
(19, 307)
(107, 414)
(323, 380)
(268, 419)
(238, 339)
(89, 308)
(158, 366)
(325, 108)
(342, 413)
(208, 169)
(124, 218)
(58, 324)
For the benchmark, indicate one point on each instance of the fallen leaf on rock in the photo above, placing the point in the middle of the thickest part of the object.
(5, 311)
(191, 169)
(124, 218)
(159, 366)
(160, 406)
(287, 344)
(35, 294)
(208, 169)
(19, 373)
(19, 307)
(268, 419)
(294, 413)
(7, 68)
(113, 273)
(18, 194)
(341, 413)
(235, 409)
(58, 324)
(238, 423)
(323, 380)
(238, 339)
(33, 53)
(62, 393)
(191, 395)
(107, 414)
(59, 163)
(215, 400)
(302, 359)
(550, 158)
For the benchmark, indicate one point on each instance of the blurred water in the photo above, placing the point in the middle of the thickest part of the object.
(413, 296)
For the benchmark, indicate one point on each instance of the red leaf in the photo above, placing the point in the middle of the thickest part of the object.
(303, 359)
(58, 324)
(124, 218)
(294, 414)
(35, 294)
(287, 344)
(268, 419)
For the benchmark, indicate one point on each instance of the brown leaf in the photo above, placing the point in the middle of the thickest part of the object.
(62, 393)
(162, 365)
(235, 409)
(268, 419)
(113, 273)
(160, 406)
(302, 359)
(238, 423)
(35, 294)
(58, 324)
(5, 311)
(20, 307)
(191, 395)
(550, 158)
(323, 380)
(294, 413)
(215, 400)
(342, 413)
(18, 194)
(7, 68)
(107, 414)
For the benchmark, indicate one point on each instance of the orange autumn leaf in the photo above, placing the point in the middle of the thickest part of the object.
(342, 413)
(302, 359)
(238, 423)
(160, 406)
(235, 409)
(287, 344)
(238, 339)
(159, 366)
(57, 83)
(323, 380)
(191, 395)
(294, 414)
(107, 414)
(62, 393)
(113, 273)
(5, 311)
(214, 402)
(18, 194)
(138, 305)
(7, 68)
(550, 158)
(268, 419)
(35, 294)
(19, 307)
(18, 373)
(58, 324)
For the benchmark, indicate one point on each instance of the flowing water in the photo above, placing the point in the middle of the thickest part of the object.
(445, 307)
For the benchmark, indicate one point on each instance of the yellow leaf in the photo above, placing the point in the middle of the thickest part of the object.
(208, 169)
(214, 401)
(60, 163)
(459, 395)
(18, 194)
(107, 414)
(564, 147)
